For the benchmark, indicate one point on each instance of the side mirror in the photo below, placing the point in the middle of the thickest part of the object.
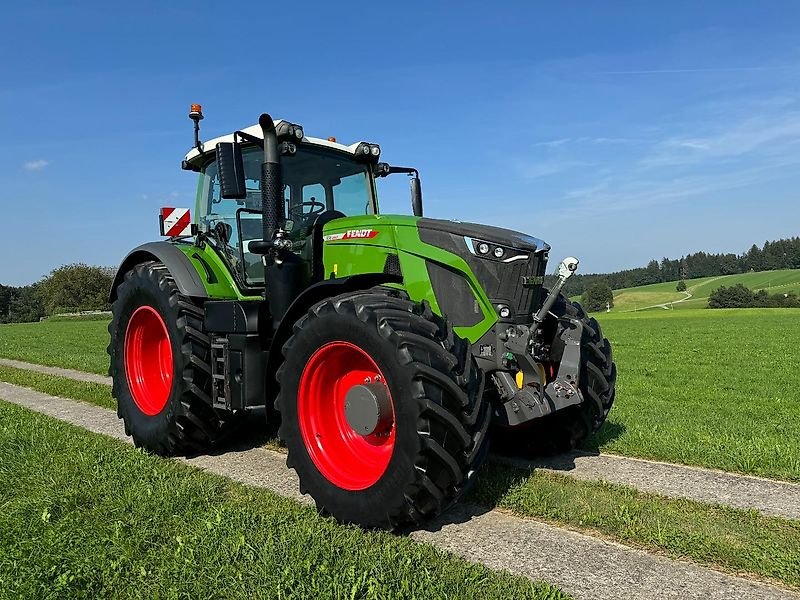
(231, 170)
(384, 169)
(416, 196)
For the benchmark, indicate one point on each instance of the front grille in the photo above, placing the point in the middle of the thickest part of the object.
(519, 284)
(516, 284)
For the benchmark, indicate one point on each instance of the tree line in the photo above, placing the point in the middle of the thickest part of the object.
(780, 254)
(69, 288)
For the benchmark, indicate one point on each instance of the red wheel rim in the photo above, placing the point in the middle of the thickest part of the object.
(148, 360)
(345, 458)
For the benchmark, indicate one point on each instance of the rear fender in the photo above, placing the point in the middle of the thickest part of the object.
(180, 267)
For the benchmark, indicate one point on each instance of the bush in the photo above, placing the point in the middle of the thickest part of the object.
(597, 296)
(738, 296)
(681, 287)
(77, 287)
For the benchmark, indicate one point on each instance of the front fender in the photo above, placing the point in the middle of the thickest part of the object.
(321, 290)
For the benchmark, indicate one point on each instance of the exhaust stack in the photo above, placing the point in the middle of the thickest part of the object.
(283, 270)
(271, 182)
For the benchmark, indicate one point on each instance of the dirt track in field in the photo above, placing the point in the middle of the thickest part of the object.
(584, 566)
(772, 498)
(57, 371)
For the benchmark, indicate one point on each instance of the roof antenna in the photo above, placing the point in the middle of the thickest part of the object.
(196, 115)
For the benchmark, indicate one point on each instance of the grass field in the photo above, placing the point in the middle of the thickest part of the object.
(637, 298)
(74, 344)
(87, 517)
(710, 388)
(734, 540)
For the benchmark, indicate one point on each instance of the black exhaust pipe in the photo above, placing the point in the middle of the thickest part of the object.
(271, 181)
(283, 270)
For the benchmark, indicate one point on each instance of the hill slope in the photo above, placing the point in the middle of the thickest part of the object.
(698, 290)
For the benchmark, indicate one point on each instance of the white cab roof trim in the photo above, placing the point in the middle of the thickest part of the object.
(255, 131)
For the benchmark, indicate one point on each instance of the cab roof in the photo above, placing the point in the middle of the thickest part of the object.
(194, 156)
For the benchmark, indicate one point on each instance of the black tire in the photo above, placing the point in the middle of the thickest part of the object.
(187, 424)
(569, 428)
(441, 421)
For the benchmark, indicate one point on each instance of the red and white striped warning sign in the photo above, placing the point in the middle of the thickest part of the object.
(175, 222)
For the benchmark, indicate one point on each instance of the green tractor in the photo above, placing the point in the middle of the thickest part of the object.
(389, 348)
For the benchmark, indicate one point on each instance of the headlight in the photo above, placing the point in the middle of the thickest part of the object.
(289, 130)
(367, 152)
(483, 248)
(499, 252)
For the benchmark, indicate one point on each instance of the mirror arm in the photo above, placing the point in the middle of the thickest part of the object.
(384, 169)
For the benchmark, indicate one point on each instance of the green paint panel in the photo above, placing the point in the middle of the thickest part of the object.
(417, 282)
(356, 245)
(220, 284)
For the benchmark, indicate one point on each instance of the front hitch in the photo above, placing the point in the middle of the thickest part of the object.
(535, 397)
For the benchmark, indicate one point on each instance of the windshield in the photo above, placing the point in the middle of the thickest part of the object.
(314, 180)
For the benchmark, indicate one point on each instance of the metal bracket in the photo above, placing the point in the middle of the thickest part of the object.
(563, 390)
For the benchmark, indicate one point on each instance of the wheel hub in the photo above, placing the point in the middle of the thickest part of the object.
(368, 408)
(148, 360)
(346, 415)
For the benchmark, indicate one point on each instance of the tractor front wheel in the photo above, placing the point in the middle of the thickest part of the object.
(160, 365)
(570, 427)
(381, 409)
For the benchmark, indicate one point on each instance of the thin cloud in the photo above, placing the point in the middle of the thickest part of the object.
(35, 165)
(745, 137)
(700, 70)
(636, 194)
(585, 140)
(554, 143)
(549, 168)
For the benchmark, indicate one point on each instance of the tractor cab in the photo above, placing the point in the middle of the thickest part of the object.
(322, 180)
(319, 184)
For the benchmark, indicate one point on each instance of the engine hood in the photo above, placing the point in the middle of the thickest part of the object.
(488, 233)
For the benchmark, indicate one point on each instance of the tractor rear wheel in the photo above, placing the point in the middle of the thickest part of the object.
(381, 409)
(160, 365)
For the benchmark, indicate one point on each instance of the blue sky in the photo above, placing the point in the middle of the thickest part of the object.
(618, 132)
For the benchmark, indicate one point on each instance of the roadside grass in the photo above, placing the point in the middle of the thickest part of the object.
(629, 299)
(734, 540)
(727, 538)
(709, 388)
(88, 517)
(94, 393)
(76, 344)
